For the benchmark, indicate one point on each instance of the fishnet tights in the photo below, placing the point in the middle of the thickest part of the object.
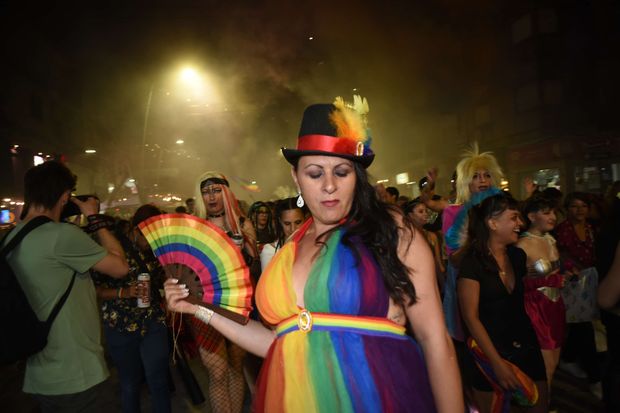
(225, 370)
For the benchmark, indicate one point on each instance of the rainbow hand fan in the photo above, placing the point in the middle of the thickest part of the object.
(525, 395)
(204, 258)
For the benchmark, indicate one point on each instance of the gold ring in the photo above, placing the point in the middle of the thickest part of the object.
(304, 322)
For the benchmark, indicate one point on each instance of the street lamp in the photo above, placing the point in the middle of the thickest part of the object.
(190, 77)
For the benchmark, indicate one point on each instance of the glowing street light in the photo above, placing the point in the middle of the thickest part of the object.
(194, 84)
(190, 76)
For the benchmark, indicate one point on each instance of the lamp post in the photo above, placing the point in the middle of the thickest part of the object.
(190, 77)
(147, 111)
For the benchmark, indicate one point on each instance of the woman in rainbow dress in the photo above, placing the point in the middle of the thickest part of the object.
(340, 294)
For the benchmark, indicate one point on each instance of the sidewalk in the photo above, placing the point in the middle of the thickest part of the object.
(12, 399)
(571, 395)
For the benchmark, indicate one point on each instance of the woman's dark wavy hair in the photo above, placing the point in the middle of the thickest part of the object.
(478, 233)
(282, 205)
(573, 196)
(143, 213)
(372, 221)
(535, 203)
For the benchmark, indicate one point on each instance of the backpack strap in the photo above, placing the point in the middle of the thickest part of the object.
(30, 226)
(60, 303)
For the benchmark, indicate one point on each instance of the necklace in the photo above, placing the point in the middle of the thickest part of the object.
(548, 247)
(531, 234)
(217, 215)
(501, 272)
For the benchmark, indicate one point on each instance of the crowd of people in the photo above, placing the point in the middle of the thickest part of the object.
(365, 300)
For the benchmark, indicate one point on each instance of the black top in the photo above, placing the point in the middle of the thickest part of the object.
(123, 314)
(264, 236)
(502, 313)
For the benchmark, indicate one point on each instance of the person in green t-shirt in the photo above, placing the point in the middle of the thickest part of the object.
(64, 375)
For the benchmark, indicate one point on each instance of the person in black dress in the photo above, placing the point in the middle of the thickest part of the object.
(490, 292)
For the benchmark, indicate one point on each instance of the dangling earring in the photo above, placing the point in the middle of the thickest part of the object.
(300, 201)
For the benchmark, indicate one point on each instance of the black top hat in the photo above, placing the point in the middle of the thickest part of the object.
(332, 130)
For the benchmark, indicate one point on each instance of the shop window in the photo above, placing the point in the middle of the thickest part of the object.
(588, 179)
(547, 178)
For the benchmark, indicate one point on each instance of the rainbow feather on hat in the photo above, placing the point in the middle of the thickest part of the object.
(350, 120)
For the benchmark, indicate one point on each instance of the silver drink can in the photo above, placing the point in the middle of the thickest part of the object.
(144, 300)
(237, 239)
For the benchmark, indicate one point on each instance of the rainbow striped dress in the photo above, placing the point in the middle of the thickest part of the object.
(340, 353)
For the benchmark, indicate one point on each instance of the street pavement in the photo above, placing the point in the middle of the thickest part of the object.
(570, 395)
(12, 399)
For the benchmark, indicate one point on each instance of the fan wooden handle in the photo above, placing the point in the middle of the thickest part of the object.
(181, 272)
(231, 315)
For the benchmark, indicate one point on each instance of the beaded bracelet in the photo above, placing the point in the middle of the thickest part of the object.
(96, 217)
(98, 221)
(204, 314)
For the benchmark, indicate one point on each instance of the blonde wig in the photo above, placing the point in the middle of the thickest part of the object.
(232, 212)
(474, 161)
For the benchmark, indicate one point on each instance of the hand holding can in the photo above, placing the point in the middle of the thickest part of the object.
(144, 299)
(238, 240)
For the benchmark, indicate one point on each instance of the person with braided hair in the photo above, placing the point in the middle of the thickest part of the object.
(260, 214)
(222, 358)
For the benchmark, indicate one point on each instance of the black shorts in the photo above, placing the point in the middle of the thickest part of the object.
(527, 358)
(84, 401)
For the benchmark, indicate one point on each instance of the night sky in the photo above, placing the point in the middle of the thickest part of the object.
(93, 67)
